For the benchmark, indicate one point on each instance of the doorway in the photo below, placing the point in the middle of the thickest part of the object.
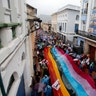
(92, 52)
(82, 46)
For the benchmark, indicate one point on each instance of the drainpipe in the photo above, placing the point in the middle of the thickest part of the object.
(2, 86)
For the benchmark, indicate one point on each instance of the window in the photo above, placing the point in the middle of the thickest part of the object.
(84, 22)
(77, 17)
(0, 44)
(23, 56)
(94, 4)
(8, 3)
(10, 83)
(76, 28)
(85, 8)
(60, 28)
(65, 26)
(13, 32)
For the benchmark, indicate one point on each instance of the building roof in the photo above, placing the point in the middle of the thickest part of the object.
(70, 7)
(30, 6)
(54, 13)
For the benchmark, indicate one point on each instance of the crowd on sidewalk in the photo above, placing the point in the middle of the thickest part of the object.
(41, 85)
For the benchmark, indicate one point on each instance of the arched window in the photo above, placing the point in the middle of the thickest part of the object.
(12, 79)
(77, 17)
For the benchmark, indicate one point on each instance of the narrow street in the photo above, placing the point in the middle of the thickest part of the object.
(47, 47)
(61, 69)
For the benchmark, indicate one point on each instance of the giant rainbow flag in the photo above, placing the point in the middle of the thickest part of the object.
(72, 81)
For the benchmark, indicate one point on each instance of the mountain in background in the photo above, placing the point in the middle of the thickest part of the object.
(45, 18)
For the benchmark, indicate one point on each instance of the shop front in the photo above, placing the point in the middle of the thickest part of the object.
(91, 49)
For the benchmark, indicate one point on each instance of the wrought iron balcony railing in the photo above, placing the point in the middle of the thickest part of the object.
(87, 34)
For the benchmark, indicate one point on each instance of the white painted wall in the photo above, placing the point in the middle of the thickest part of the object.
(68, 16)
(11, 54)
(72, 20)
(5, 3)
(27, 69)
(88, 15)
(14, 64)
(1, 12)
(18, 31)
(6, 35)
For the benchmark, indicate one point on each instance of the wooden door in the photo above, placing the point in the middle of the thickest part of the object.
(92, 52)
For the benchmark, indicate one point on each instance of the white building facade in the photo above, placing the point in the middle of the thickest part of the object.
(68, 21)
(54, 22)
(87, 15)
(15, 67)
(86, 37)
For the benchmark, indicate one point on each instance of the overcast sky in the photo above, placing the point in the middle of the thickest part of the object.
(48, 7)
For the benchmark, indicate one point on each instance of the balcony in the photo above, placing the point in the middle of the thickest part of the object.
(88, 35)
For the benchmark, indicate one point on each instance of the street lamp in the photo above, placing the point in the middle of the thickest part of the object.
(36, 25)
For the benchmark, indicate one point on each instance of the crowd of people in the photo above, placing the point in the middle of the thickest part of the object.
(41, 85)
(83, 61)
